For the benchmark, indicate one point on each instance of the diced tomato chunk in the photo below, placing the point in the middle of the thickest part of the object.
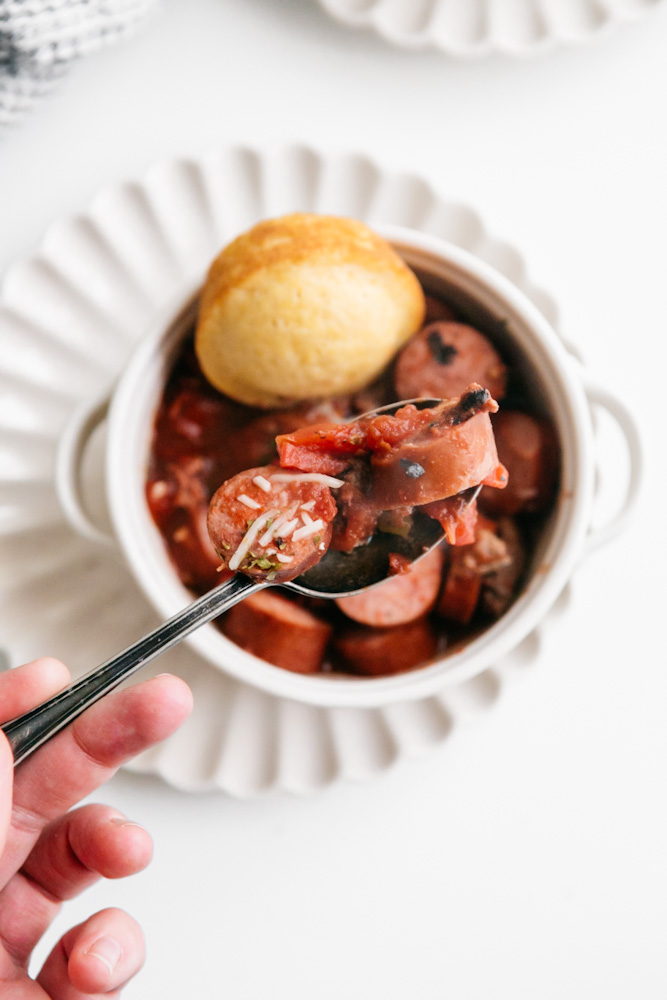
(308, 459)
(457, 516)
(498, 478)
(324, 447)
(346, 437)
(384, 431)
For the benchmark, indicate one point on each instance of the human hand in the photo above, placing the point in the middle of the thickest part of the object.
(49, 854)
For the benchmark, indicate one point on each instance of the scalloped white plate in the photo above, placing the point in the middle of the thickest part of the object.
(69, 317)
(469, 28)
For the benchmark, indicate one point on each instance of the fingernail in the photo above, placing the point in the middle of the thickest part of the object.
(107, 950)
(121, 821)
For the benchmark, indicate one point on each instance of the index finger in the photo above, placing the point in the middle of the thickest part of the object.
(86, 754)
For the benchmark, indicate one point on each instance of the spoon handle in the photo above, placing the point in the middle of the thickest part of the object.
(27, 732)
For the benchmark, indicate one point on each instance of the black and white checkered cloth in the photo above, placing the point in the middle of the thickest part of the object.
(40, 38)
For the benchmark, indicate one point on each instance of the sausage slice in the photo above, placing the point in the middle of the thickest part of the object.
(279, 631)
(443, 358)
(271, 524)
(401, 598)
(452, 451)
(380, 652)
(527, 447)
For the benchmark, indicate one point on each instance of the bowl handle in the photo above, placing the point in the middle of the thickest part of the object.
(606, 400)
(71, 448)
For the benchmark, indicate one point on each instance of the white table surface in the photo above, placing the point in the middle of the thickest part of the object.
(525, 857)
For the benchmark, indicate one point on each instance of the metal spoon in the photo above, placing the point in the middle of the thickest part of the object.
(338, 574)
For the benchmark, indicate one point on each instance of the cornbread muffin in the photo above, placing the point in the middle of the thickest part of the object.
(304, 306)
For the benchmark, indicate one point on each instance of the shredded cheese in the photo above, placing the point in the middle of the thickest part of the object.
(249, 537)
(270, 533)
(307, 506)
(284, 559)
(263, 483)
(307, 477)
(308, 529)
(287, 529)
(306, 518)
(248, 501)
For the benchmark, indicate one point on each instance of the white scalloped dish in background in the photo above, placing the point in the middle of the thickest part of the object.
(69, 317)
(468, 28)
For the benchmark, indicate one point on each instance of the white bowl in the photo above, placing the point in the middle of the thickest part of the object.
(557, 382)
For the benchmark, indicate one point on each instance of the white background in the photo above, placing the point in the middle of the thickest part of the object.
(525, 858)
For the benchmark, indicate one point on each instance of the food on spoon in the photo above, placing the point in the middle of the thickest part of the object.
(302, 306)
(443, 456)
(443, 358)
(270, 524)
(417, 454)
(275, 525)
